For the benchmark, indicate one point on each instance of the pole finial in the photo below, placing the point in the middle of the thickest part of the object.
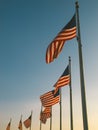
(77, 4)
(69, 58)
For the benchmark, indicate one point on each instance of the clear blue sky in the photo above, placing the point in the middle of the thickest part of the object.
(26, 29)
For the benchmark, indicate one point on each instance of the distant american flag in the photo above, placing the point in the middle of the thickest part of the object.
(55, 47)
(45, 114)
(63, 80)
(20, 125)
(8, 126)
(27, 122)
(49, 98)
(43, 118)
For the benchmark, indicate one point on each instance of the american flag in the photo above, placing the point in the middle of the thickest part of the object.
(45, 114)
(20, 125)
(27, 122)
(63, 80)
(8, 126)
(43, 119)
(49, 98)
(55, 47)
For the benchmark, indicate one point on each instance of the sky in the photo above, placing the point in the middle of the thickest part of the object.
(27, 27)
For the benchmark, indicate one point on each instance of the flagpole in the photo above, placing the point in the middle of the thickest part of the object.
(83, 95)
(10, 122)
(40, 120)
(51, 119)
(21, 121)
(31, 120)
(60, 109)
(70, 88)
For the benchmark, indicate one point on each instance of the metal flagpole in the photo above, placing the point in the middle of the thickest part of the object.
(70, 88)
(60, 109)
(21, 121)
(51, 119)
(31, 121)
(10, 122)
(83, 96)
(40, 120)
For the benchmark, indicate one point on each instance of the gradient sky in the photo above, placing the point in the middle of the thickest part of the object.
(26, 29)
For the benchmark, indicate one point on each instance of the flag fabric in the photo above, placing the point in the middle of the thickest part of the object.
(20, 125)
(27, 122)
(43, 119)
(45, 114)
(55, 47)
(63, 80)
(49, 98)
(8, 126)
